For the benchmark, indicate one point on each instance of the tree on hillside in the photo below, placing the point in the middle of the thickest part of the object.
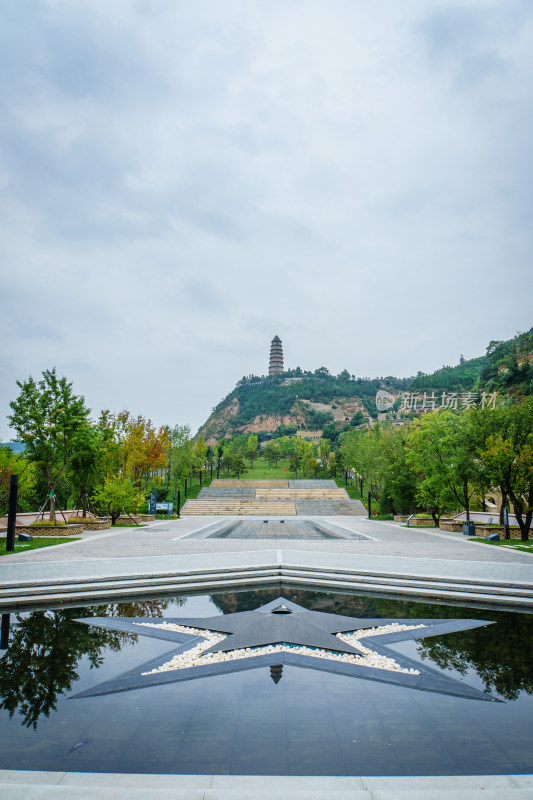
(47, 416)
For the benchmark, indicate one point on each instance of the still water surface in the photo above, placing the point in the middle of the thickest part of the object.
(310, 722)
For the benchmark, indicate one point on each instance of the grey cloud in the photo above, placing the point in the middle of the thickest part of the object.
(472, 38)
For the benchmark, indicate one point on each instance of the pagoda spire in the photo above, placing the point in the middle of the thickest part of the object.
(275, 366)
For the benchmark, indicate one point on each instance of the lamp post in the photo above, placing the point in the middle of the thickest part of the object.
(12, 512)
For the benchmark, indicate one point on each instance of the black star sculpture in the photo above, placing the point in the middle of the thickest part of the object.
(284, 622)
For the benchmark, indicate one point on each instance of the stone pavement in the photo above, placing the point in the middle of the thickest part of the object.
(176, 537)
(166, 556)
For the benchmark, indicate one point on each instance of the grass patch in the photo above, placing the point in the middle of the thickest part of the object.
(520, 545)
(262, 471)
(35, 544)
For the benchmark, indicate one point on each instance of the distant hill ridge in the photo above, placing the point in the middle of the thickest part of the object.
(303, 400)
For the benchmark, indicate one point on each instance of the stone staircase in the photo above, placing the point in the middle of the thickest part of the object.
(239, 508)
(273, 498)
(299, 494)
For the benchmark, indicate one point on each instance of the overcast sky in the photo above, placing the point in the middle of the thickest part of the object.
(180, 181)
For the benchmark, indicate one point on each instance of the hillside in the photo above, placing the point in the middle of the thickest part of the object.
(308, 401)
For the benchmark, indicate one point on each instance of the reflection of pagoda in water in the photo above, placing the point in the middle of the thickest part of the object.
(275, 366)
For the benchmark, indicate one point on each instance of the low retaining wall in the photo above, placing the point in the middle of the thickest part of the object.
(50, 530)
(92, 524)
(481, 530)
(135, 518)
(400, 518)
(421, 521)
(450, 525)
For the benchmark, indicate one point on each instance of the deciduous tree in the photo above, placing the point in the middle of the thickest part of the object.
(508, 456)
(47, 416)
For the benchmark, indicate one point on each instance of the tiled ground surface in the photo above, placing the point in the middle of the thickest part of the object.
(262, 529)
(170, 538)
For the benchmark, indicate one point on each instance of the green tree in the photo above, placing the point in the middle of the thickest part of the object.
(324, 449)
(40, 664)
(358, 419)
(199, 454)
(362, 452)
(17, 464)
(301, 453)
(115, 495)
(400, 482)
(252, 450)
(179, 454)
(85, 464)
(442, 449)
(507, 453)
(47, 416)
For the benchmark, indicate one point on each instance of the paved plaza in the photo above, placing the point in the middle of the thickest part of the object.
(193, 552)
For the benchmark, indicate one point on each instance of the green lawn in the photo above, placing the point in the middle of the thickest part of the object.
(41, 541)
(516, 544)
(262, 471)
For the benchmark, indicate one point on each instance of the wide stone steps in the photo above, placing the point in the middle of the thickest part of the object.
(286, 574)
(238, 508)
(40, 785)
(301, 494)
(229, 492)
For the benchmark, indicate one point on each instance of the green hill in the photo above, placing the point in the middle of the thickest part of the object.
(302, 400)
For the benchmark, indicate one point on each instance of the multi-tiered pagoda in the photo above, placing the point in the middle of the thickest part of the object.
(275, 366)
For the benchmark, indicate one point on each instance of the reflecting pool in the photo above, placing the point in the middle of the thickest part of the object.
(265, 720)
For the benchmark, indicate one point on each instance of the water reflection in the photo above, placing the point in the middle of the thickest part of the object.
(501, 654)
(45, 647)
(4, 631)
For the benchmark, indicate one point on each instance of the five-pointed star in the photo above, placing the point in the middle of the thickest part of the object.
(283, 622)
